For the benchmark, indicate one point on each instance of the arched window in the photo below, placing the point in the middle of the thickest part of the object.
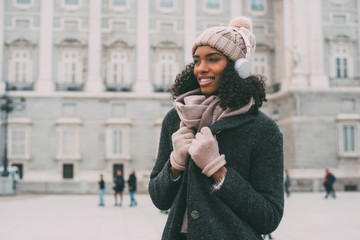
(21, 65)
(166, 66)
(341, 61)
(118, 67)
(70, 66)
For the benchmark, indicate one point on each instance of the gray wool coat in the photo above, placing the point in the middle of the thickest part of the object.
(250, 201)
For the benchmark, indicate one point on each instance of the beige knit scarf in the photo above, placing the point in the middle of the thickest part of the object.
(197, 111)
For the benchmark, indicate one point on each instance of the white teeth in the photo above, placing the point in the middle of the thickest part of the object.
(205, 80)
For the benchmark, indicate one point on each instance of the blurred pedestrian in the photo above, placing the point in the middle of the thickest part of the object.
(287, 183)
(220, 161)
(132, 188)
(328, 184)
(119, 187)
(101, 190)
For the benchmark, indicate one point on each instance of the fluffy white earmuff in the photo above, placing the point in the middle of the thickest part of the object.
(243, 65)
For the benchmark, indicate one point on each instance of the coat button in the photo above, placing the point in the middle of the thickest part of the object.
(195, 214)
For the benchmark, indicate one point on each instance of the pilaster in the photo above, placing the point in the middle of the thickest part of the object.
(94, 83)
(190, 29)
(142, 84)
(45, 83)
(318, 79)
(2, 81)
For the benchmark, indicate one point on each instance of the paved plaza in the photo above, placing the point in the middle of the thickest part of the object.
(308, 216)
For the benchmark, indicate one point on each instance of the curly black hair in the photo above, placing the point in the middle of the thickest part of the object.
(234, 92)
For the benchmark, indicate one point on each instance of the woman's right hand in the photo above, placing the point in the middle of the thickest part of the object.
(181, 140)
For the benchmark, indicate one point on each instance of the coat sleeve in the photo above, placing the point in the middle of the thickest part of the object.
(260, 199)
(162, 188)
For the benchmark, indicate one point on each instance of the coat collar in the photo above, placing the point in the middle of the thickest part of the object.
(234, 121)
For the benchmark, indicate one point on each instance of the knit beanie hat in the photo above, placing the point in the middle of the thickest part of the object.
(228, 40)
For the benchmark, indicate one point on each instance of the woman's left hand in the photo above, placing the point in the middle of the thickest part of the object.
(204, 150)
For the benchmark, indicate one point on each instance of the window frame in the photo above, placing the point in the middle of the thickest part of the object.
(23, 5)
(167, 48)
(119, 8)
(123, 125)
(71, 7)
(62, 124)
(213, 10)
(166, 9)
(258, 12)
(348, 120)
(23, 124)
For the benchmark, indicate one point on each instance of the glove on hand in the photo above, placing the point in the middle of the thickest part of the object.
(181, 140)
(204, 150)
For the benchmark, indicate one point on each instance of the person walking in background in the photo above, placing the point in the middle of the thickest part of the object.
(287, 183)
(132, 188)
(101, 190)
(219, 167)
(328, 183)
(119, 187)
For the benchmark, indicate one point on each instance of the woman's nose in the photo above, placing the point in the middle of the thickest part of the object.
(203, 67)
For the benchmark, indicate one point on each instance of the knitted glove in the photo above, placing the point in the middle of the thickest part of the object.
(204, 150)
(181, 140)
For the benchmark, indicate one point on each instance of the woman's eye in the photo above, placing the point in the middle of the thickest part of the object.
(196, 61)
(213, 59)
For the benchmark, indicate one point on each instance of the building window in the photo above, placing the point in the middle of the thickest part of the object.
(166, 3)
(23, 1)
(118, 2)
(341, 67)
(348, 135)
(116, 141)
(68, 145)
(348, 138)
(68, 171)
(118, 69)
(341, 62)
(257, 5)
(70, 67)
(71, 2)
(18, 143)
(166, 69)
(260, 64)
(21, 65)
(212, 4)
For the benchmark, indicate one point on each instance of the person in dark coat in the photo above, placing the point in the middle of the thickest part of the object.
(287, 183)
(219, 167)
(119, 187)
(132, 188)
(328, 184)
(101, 190)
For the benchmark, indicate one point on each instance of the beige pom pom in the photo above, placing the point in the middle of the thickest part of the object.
(241, 21)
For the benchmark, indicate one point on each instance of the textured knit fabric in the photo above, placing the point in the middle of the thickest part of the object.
(251, 199)
(227, 39)
(197, 111)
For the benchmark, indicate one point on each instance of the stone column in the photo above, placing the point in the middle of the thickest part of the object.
(318, 79)
(142, 84)
(284, 45)
(45, 82)
(190, 29)
(299, 45)
(236, 9)
(94, 83)
(2, 83)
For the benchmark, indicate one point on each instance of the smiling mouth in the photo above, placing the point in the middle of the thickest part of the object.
(205, 81)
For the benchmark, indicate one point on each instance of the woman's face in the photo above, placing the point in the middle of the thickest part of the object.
(209, 65)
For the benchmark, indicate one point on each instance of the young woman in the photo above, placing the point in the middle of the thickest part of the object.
(220, 162)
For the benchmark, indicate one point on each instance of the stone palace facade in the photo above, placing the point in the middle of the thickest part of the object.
(90, 79)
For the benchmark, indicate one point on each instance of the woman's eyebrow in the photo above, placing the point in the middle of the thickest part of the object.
(209, 55)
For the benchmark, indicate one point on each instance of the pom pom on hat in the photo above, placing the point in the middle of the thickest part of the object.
(227, 39)
(240, 22)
